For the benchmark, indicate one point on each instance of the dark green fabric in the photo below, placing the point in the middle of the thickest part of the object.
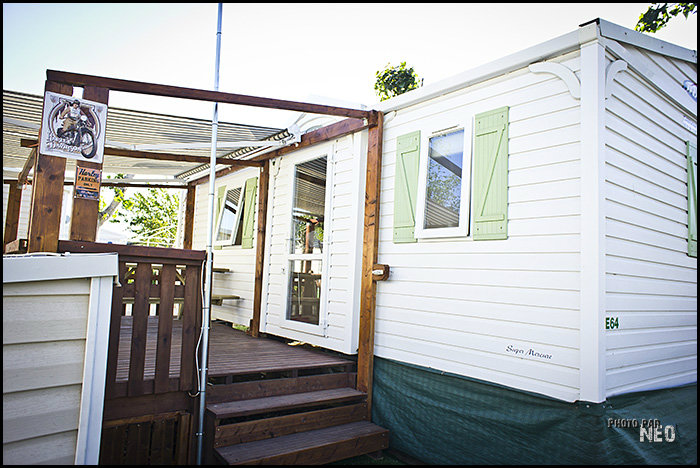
(441, 418)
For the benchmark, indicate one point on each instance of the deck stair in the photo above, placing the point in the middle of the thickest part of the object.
(310, 420)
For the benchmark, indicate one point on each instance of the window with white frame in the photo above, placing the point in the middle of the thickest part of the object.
(229, 226)
(444, 183)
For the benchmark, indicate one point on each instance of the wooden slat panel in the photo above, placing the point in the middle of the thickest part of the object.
(184, 441)
(139, 328)
(114, 332)
(165, 328)
(112, 445)
(189, 323)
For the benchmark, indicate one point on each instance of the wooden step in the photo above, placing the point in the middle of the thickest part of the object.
(309, 448)
(276, 426)
(235, 409)
(225, 392)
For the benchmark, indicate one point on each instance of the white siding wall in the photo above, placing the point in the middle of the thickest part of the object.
(44, 332)
(240, 261)
(651, 282)
(458, 305)
(343, 234)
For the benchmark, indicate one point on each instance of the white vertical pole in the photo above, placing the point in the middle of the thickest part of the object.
(206, 306)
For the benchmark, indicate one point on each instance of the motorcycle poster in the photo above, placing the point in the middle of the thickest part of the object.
(73, 128)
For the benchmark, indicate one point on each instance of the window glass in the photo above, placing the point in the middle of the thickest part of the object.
(444, 180)
(229, 218)
(309, 206)
(305, 270)
(304, 296)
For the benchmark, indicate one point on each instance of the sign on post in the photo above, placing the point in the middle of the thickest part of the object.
(73, 128)
(87, 183)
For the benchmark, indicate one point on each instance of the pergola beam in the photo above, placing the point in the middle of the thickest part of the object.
(29, 143)
(114, 84)
(116, 183)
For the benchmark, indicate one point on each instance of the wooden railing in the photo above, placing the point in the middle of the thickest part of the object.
(155, 318)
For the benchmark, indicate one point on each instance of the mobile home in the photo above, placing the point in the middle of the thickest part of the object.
(538, 216)
(514, 248)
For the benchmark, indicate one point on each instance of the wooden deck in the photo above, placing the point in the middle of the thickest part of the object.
(232, 354)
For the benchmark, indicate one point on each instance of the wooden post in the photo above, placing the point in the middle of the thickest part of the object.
(47, 193)
(83, 222)
(189, 216)
(14, 202)
(370, 245)
(264, 184)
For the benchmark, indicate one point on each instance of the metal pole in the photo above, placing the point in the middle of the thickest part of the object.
(210, 257)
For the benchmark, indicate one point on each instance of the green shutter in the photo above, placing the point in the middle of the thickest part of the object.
(220, 196)
(692, 152)
(251, 186)
(491, 175)
(406, 187)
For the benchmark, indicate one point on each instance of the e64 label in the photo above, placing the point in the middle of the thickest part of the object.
(612, 323)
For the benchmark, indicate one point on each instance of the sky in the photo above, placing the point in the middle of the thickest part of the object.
(321, 52)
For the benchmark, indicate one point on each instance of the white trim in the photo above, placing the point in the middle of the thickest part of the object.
(352, 332)
(52, 266)
(94, 372)
(592, 293)
(219, 145)
(450, 124)
(237, 220)
(613, 69)
(554, 47)
(562, 72)
(275, 165)
(560, 45)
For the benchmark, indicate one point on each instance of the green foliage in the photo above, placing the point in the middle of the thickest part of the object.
(106, 211)
(393, 81)
(151, 216)
(659, 14)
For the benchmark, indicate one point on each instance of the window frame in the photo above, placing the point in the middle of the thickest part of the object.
(238, 218)
(437, 128)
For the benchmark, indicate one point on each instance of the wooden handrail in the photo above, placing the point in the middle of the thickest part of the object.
(147, 276)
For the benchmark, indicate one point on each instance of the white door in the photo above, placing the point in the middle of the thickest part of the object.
(306, 281)
(313, 246)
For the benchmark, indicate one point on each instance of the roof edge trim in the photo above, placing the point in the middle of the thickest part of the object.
(643, 41)
(559, 45)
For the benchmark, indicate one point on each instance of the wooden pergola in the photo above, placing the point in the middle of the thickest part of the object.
(49, 173)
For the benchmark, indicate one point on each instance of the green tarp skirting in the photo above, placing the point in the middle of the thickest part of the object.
(442, 418)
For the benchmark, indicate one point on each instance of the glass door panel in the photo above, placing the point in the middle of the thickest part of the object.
(305, 257)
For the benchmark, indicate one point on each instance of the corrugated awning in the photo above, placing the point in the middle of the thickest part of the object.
(126, 129)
